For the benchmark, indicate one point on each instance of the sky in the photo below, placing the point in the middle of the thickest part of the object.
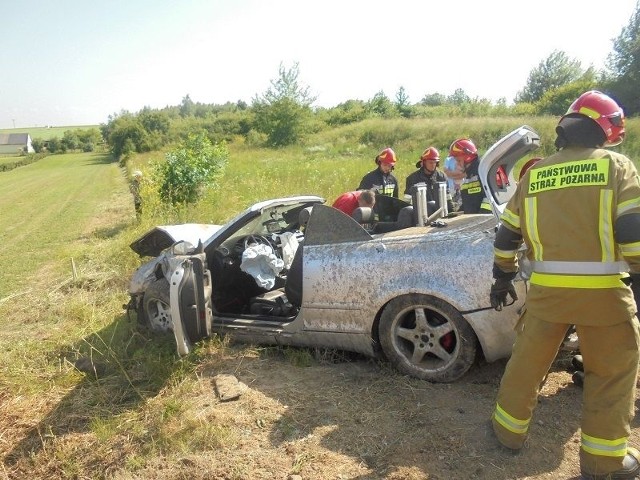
(75, 62)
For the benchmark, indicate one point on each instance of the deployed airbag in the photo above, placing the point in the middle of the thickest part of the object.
(260, 262)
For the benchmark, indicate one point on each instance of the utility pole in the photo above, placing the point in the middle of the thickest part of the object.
(14, 122)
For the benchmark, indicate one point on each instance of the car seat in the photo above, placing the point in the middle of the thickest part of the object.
(405, 220)
(287, 300)
(363, 215)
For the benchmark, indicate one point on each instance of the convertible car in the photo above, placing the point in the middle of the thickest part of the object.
(404, 283)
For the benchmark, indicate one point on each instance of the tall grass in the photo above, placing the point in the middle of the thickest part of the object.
(333, 161)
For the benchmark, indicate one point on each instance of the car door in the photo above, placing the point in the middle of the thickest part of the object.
(336, 272)
(498, 170)
(497, 166)
(189, 295)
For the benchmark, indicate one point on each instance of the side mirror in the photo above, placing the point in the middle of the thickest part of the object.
(182, 248)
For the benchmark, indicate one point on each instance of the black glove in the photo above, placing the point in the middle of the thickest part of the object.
(499, 291)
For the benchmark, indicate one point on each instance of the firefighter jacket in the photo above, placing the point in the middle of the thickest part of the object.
(569, 210)
(380, 183)
(431, 179)
(473, 199)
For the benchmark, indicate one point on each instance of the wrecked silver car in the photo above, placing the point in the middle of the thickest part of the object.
(408, 284)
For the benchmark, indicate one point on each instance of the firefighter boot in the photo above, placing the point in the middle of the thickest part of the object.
(486, 436)
(629, 471)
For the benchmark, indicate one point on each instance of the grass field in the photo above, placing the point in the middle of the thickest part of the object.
(46, 133)
(87, 394)
(55, 202)
(63, 275)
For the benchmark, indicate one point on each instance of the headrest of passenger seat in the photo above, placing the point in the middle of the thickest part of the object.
(405, 218)
(363, 215)
(303, 216)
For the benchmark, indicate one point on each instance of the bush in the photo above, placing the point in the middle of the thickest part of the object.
(195, 164)
(25, 160)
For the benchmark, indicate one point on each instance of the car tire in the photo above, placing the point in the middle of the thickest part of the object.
(425, 337)
(156, 309)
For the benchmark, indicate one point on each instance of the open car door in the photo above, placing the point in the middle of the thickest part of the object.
(500, 165)
(190, 296)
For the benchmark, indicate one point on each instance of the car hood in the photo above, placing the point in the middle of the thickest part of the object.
(156, 240)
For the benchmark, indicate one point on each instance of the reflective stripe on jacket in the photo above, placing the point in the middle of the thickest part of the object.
(385, 184)
(473, 198)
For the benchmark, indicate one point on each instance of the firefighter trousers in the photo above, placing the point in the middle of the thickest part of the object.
(610, 356)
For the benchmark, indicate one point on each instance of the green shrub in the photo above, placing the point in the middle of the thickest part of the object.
(188, 169)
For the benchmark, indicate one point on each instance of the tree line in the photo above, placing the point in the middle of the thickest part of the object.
(284, 114)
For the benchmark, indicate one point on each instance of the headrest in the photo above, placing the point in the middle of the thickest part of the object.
(405, 217)
(363, 215)
(303, 216)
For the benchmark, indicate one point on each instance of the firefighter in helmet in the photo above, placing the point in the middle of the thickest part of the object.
(381, 180)
(578, 212)
(472, 194)
(429, 174)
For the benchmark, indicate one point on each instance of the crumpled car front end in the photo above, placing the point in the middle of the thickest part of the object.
(151, 284)
(172, 293)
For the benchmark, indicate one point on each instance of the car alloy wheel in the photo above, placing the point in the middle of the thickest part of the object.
(427, 338)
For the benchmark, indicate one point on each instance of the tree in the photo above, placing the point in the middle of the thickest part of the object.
(458, 97)
(557, 100)
(347, 112)
(624, 65)
(433, 100)
(402, 102)
(54, 145)
(38, 145)
(381, 106)
(70, 140)
(89, 139)
(194, 165)
(283, 112)
(553, 72)
(187, 107)
(126, 135)
(154, 121)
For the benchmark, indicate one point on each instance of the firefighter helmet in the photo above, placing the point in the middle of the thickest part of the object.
(430, 153)
(387, 156)
(604, 111)
(465, 149)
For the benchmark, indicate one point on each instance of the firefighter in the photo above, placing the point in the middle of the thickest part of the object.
(578, 212)
(429, 174)
(471, 192)
(381, 180)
